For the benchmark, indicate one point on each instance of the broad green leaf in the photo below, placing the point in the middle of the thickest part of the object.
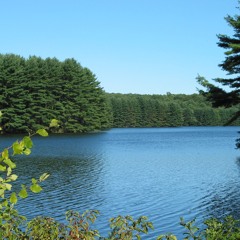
(13, 198)
(13, 177)
(17, 148)
(36, 188)
(27, 151)
(27, 142)
(2, 168)
(23, 193)
(44, 176)
(1, 114)
(5, 154)
(10, 163)
(0, 128)
(42, 132)
(54, 123)
(8, 186)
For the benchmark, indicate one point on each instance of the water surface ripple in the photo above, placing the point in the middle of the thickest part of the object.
(163, 173)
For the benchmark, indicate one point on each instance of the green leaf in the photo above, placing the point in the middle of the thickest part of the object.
(17, 148)
(23, 193)
(54, 123)
(1, 114)
(36, 188)
(27, 151)
(5, 154)
(44, 176)
(2, 191)
(2, 168)
(13, 198)
(10, 163)
(5, 203)
(9, 171)
(27, 142)
(13, 177)
(42, 132)
(8, 186)
(34, 181)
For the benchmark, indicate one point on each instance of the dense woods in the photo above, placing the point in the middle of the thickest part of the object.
(33, 91)
(170, 110)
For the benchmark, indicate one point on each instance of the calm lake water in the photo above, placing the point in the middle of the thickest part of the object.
(163, 173)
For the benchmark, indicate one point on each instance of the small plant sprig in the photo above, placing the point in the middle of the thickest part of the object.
(10, 220)
(126, 228)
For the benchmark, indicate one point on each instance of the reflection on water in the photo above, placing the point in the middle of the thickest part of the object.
(163, 173)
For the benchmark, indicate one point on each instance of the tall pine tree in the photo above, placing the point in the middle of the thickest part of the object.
(217, 95)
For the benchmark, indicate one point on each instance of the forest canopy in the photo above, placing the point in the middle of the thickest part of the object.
(34, 90)
(170, 110)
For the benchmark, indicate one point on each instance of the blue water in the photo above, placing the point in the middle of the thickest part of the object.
(162, 173)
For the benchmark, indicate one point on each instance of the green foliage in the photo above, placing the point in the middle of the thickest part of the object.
(226, 97)
(221, 230)
(79, 226)
(10, 220)
(171, 110)
(45, 228)
(34, 90)
(128, 228)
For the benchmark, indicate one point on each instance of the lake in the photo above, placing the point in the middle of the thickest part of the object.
(162, 173)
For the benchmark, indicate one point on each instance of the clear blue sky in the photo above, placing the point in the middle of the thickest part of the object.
(132, 46)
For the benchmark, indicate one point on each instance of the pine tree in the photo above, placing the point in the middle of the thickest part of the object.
(217, 95)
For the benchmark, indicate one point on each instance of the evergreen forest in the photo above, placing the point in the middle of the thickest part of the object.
(170, 110)
(34, 90)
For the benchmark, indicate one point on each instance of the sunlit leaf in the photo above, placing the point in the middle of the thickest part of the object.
(5, 203)
(42, 132)
(9, 171)
(5, 154)
(10, 163)
(13, 177)
(34, 181)
(27, 142)
(43, 177)
(2, 193)
(36, 188)
(2, 168)
(13, 198)
(17, 148)
(54, 123)
(27, 151)
(23, 193)
(8, 186)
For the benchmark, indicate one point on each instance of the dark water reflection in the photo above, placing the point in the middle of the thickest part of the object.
(162, 173)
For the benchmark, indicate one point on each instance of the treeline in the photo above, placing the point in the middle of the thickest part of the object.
(34, 90)
(170, 110)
